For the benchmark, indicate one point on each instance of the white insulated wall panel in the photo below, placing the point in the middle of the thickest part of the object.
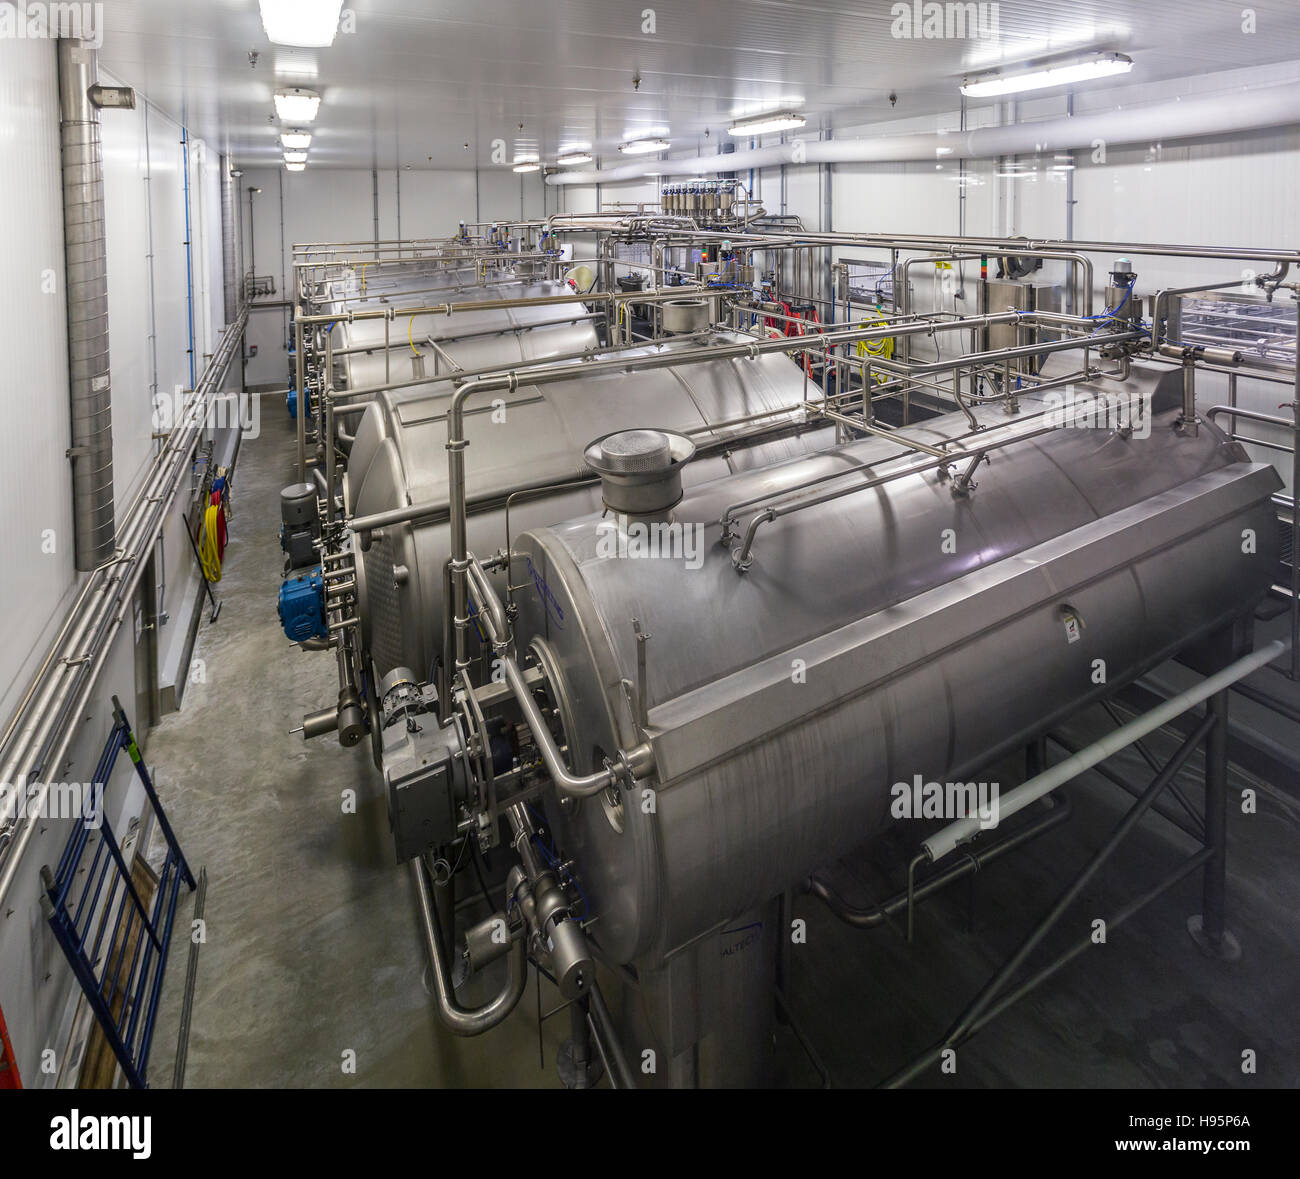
(434, 203)
(171, 291)
(35, 478)
(126, 213)
(501, 195)
(209, 296)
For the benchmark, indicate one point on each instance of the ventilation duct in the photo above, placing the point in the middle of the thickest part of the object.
(1218, 114)
(87, 293)
(230, 276)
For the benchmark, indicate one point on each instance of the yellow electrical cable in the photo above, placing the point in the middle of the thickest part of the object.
(882, 347)
(410, 335)
(209, 554)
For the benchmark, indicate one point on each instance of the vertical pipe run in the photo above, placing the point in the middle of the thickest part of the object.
(252, 233)
(1069, 211)
(189, 258)
(1295, 524)
(827, 283)
(151, 258)
(90, 388)
(397, 174)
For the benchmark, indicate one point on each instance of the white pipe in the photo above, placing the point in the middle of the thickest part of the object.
(946, 840)
(1216, 114)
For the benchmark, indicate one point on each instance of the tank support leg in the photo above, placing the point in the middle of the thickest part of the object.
(1208, 928)
(1036, 756)
(785, 916)
(999, 993)
(579, 1067)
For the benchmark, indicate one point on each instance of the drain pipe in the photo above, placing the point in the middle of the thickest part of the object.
(85, 255)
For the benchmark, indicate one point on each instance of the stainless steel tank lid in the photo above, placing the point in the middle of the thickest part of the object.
(636, 451)
(639, 451)
(640, 469)
(684, 316)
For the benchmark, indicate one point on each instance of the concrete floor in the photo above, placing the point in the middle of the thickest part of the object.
(312, 944)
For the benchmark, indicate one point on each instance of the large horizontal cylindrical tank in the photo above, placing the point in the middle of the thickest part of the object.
(896, 631)
(467, 339)
(534, 437)
(356, 286)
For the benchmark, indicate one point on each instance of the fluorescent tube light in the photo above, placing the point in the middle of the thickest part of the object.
(644, 147)
(296, 105)
(295, 157)
(295, 140)
(1059, 73)
(294, 167)
(576, 157)
(760, 124)
(309, 23)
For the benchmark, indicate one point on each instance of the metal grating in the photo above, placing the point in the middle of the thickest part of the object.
(386, 643)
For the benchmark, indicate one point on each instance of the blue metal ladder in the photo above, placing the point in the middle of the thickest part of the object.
(75, 913)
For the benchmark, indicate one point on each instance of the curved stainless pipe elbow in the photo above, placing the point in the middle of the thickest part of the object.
(465, 1021)
(488, 602)
(638, 760)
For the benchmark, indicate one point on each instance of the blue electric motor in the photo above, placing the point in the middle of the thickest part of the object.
(302, 607)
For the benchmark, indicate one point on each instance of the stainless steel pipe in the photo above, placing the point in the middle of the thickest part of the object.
(461, 1020)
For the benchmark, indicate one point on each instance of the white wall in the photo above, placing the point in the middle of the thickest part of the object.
(148, 338)
(35, 479)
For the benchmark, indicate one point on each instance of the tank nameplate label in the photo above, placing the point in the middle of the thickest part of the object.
(736, 940)
(553, 608)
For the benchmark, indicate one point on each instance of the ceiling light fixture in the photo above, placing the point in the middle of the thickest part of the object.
(1057, 73)
(295, 140)
(295, 157)
(296, 105)
(528, 166)
(294, 167)
(576, 157)
(644, 147)
(312, 24)
(759, 124)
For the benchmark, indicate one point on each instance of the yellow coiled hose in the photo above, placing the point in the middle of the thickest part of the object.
(883, 347)
(209, 552)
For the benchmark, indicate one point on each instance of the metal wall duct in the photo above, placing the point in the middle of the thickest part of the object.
(87, 286)
(229, 274)
(1217, 114)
